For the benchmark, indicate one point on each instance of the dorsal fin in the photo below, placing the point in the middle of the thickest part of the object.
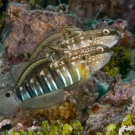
(54, 39)
(60, 50)
(69, 32)
(24, 70)
(40, 51)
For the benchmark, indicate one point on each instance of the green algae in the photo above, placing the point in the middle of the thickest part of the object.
(115, 129)
(120, 63)
(56, 128)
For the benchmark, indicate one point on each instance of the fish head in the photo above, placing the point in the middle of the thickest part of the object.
(9, 103)
(99, 56)
(108, 37)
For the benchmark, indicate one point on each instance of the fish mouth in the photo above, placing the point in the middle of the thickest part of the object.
(116, 38)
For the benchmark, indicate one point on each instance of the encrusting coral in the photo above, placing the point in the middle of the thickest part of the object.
(65, 112)
(127, 127)
(30, 28)
(112, 107)
(120, 63)
(56, 128)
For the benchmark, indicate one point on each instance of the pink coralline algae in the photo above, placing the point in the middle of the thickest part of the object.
(112, 107)
(120, 93)
(29, 28)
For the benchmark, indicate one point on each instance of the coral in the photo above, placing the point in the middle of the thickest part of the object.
(127, 127)
(120, 63)
(30, 28)
(65, 112)
(102, 115)
(56, 128)
(120, 93)
(83, 97)
(112, 107)
(103, 81)
(111, 129)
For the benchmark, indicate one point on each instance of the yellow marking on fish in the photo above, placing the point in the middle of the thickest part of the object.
(83, 70)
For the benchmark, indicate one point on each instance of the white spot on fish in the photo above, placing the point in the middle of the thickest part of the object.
(31, 81)
(69, 47)
(73, 63)
(82, 42)
(67, 41)
(73, 58)
(81, 37)
(41, 73)
(56, 63)
(21, 88)
(75, 46)
(62, 62)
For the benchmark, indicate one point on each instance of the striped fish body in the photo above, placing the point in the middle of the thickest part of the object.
(74, 38)
(108, 37)
(70, 71)
(45, 87)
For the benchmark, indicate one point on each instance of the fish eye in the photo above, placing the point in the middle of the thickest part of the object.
(106, 31)
(90, 38)
(100, 49)
(7, 94)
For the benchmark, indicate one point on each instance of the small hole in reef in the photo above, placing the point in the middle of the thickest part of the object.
(83, 58)
(90, 38)
(7, 94)
(110, 23)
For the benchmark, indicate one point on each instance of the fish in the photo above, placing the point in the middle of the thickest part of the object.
(74, 38)
(41, 87)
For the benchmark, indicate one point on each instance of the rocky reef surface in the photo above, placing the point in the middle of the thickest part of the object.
(105, 99)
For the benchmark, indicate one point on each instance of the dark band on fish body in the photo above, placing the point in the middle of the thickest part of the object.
(56, 77)
(43, 84)
(17, 91)
(30, 91)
